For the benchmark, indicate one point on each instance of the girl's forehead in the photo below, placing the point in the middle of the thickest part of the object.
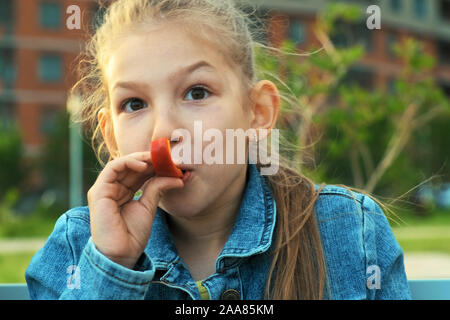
(163, 50)
(171, 36)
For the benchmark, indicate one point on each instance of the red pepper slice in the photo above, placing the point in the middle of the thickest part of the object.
(162, 159)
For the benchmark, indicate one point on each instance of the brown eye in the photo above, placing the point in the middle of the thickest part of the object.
(197, 93)
(134, 104)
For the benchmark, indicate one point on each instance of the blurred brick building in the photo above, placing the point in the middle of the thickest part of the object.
(425, 20)
(37, 50)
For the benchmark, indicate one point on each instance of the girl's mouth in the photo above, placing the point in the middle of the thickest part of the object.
(187, 175)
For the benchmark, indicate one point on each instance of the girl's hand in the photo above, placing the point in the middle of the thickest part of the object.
(121, 226)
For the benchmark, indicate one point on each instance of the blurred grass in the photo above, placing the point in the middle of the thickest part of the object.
(20, 223)
(433, 218)
(13, 266)
(427, 233)
(425, 245)
(29, 227)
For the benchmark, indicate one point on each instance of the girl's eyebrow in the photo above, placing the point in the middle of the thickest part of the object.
(172, 77)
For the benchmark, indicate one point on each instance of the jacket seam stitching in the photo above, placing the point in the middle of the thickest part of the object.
(72, 251)
(69, 216)
(266, 231)
(340, 194)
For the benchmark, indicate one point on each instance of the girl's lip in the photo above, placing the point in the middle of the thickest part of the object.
(184, 167)
(187, 175)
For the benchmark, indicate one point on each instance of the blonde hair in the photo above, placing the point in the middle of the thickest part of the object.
(298, 269)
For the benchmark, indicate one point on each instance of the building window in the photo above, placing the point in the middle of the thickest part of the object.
(420, 8)
(7, 68)
(297, 31)
(390, 85)
(50, 68)
(259, 26)
(359, 75)
(48, 120)
(50, 15)
(444, 49)
(97, 14)
(6, 13)
(391, 40)
(445, 10)
(396, 5)
(7, 118)
(363, 36)
(351, 34)
(445, 86)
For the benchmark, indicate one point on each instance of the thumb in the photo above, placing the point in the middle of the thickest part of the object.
(154, 189)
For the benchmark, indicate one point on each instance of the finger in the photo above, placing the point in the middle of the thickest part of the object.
(125, 194)
(155, 187)
(134, 180)
(140, 156)
(131, 184)
(114, 169)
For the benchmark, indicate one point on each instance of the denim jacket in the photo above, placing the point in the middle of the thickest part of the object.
(363, 259)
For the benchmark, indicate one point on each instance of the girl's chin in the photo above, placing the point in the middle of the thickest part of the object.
(179, 201)
(181, 210)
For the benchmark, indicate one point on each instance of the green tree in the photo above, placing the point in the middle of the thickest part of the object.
(12, 168)
(342, 132)
(55, 161)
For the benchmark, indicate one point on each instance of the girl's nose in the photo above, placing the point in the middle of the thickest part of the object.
(164, 123)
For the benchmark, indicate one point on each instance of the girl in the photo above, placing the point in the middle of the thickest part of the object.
(223, 231)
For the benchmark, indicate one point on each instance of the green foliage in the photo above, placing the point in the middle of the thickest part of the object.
(13, 266)
(416, 60)
(365, 137)
(54, 163)
(12, 169)
(26, 214)
(338, 11)
(38, 224)
(7, 203)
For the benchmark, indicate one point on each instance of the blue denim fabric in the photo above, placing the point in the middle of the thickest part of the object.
(357, 240)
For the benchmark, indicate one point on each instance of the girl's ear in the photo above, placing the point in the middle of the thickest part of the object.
(265, 107)
(106, 127)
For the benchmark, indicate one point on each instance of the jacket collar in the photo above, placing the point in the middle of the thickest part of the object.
(251, 234)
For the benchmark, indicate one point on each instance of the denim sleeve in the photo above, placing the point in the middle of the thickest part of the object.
(70, 267)
(385, 270)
